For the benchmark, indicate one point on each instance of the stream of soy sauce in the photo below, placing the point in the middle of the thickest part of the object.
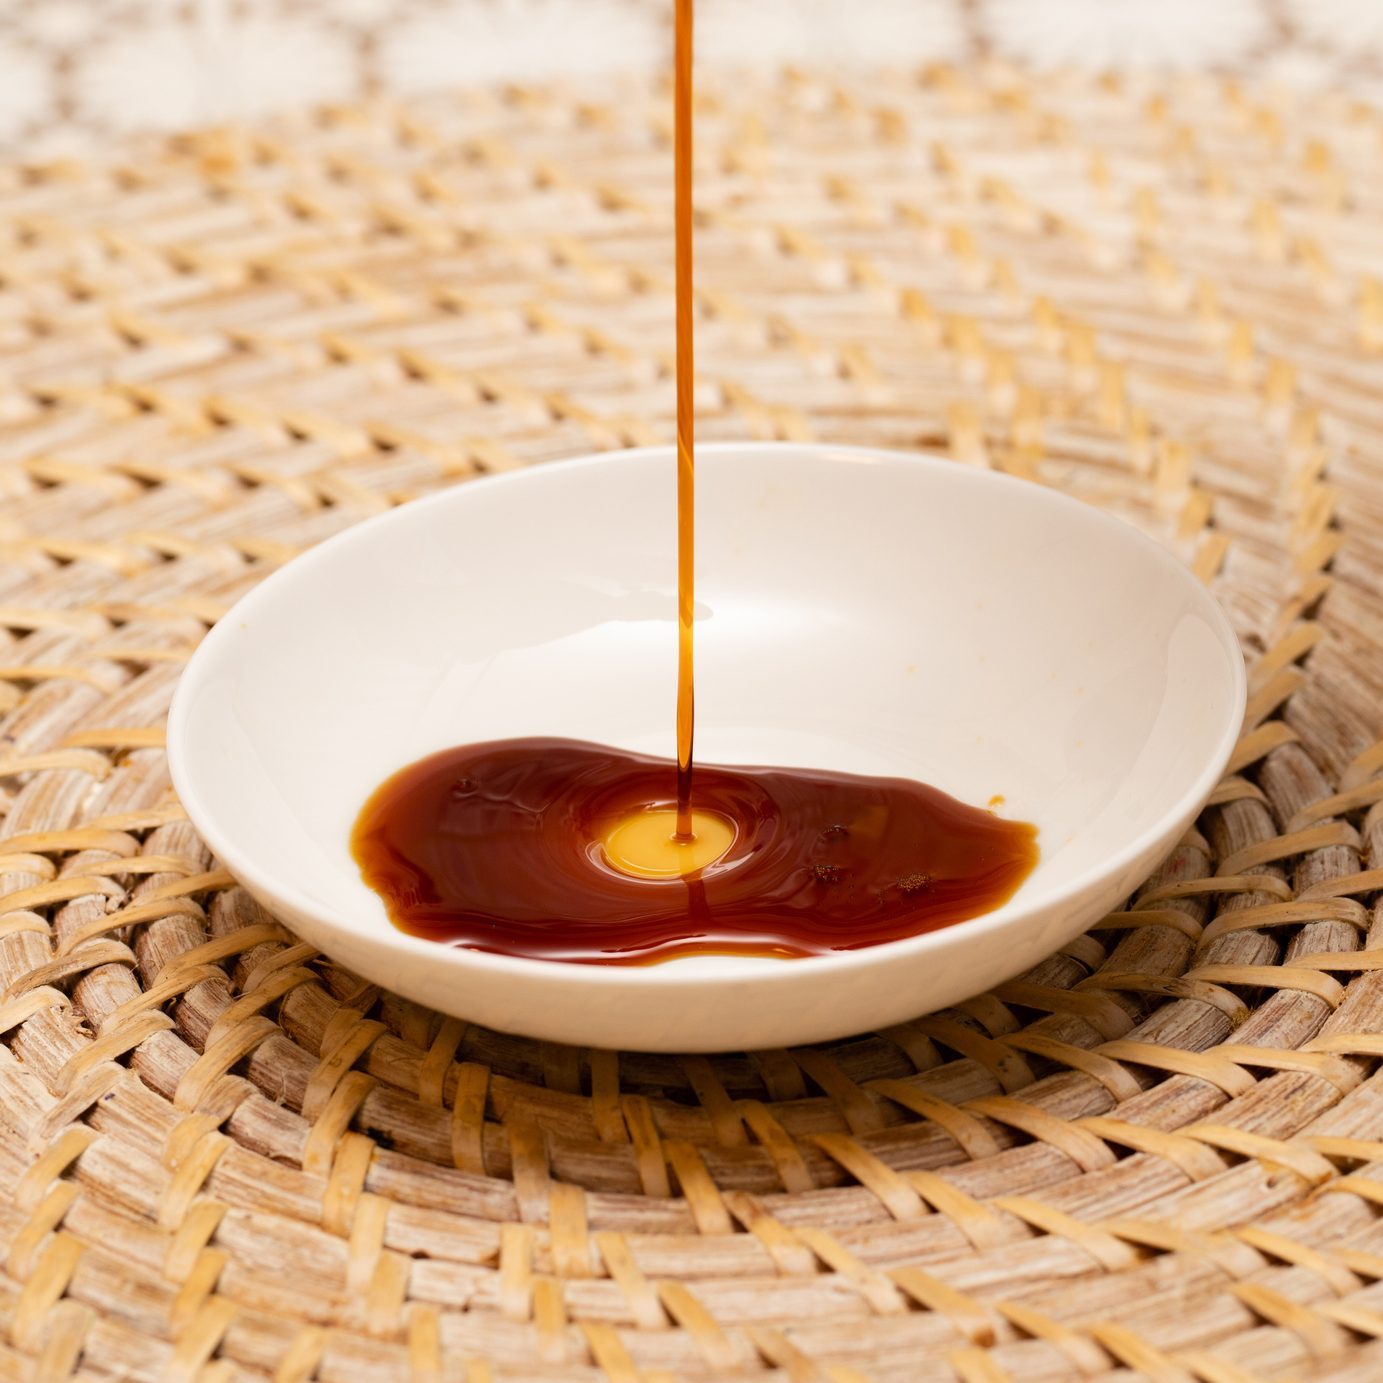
(497, 847)
(686, 410)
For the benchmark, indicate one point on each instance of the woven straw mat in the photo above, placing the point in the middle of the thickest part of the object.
(1157, 1156)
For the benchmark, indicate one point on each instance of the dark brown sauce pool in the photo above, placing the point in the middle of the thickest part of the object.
(497, 847)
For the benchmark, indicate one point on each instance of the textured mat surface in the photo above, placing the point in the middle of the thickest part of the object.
(1159, 1155)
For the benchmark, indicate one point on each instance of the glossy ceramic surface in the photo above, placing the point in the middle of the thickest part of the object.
(862, 611)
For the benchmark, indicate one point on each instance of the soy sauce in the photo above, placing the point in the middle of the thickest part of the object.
(499, 847)
(686, 411)
(518, 846)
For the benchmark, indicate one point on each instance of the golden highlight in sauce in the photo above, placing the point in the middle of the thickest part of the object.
(514, 847)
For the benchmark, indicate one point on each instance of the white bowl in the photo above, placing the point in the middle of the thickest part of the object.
(857, 610)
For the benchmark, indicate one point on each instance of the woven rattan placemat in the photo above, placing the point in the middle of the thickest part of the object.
(1157, 1156)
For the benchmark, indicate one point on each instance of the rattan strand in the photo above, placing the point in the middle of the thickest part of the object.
(1158, 1155)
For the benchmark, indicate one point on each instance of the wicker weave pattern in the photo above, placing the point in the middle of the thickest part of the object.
(1156, 1156)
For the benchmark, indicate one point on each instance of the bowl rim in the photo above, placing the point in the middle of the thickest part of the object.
(669, 974)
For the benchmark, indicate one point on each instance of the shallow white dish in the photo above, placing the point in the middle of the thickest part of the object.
(857, 610)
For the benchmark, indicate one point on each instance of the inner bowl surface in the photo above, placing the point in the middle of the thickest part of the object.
(857, 610)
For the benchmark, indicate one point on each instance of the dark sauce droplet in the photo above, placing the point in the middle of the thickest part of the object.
(496, 847)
